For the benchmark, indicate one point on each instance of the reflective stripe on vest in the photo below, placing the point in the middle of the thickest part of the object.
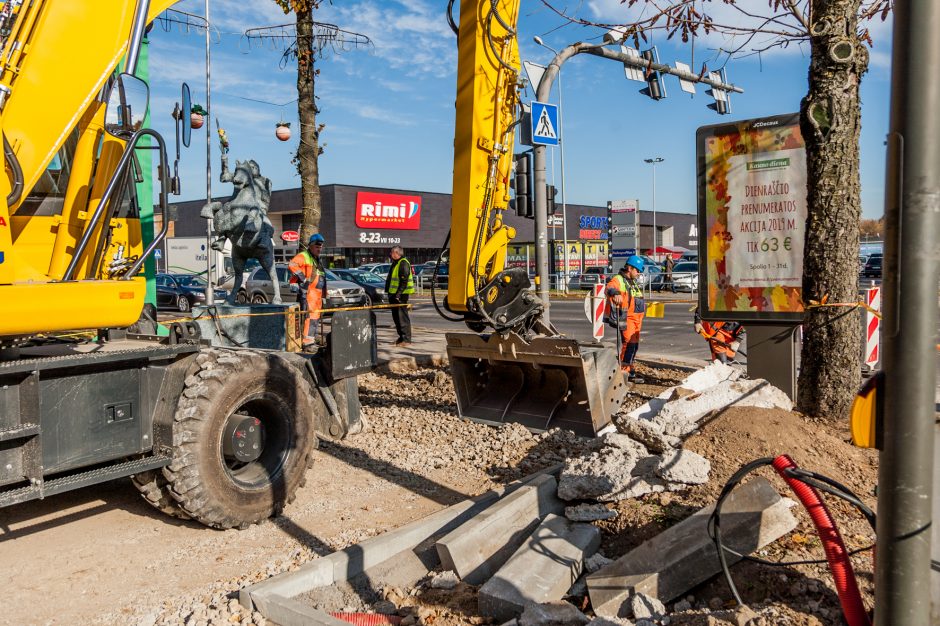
(393, 285)
(635, 291)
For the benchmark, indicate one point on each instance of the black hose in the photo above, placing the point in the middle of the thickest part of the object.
(450, 18)
(16, 191)
(823, 483)
(437, 266)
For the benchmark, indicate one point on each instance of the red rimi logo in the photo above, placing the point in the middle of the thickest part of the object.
(388, 211)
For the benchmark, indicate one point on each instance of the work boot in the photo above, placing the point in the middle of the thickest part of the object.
(636, 380)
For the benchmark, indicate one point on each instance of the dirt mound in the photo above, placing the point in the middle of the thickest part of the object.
(797, 594)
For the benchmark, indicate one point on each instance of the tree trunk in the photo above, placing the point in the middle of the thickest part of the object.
(309, 149)
(830, 121)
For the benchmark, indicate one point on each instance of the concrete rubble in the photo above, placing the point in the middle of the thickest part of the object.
(662, 423)
(528, 551)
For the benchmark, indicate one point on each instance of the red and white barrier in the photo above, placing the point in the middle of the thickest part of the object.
(594, 310)
(872, 327)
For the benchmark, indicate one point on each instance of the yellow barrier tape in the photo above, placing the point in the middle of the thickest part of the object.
(296, 312)
(814, 304)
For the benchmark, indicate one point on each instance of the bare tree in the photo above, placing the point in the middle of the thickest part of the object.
(830, 121)
(872, 228)
(307, 41)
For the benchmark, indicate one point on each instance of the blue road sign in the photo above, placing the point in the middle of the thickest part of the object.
(544, 124)
(157, 254)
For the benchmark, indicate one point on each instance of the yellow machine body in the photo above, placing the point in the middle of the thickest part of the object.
(52, 119)
(487, 101)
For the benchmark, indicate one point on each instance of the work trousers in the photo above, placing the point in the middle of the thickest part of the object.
(400, 315)
(311, 303)
(630, 337)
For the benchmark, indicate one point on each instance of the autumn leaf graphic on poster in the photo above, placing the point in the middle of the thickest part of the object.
(752, 182)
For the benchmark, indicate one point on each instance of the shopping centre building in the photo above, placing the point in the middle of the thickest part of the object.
(361, 224)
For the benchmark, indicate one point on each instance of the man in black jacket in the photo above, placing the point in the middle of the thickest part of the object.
(399, 285)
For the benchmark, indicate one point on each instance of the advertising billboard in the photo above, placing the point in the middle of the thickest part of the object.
(388, 211)
(752, 219)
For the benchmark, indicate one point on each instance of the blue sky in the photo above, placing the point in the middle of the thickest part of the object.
(389, 108)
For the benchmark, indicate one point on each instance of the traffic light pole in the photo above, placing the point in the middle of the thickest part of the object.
(541, 95)
(909, 287)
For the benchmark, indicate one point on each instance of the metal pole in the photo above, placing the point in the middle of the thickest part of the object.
(909, 288)
(653, 161)
(210, 290)
(564, 207)
(541, 230)
(561, 146)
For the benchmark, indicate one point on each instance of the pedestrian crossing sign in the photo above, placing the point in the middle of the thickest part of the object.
(544, 124)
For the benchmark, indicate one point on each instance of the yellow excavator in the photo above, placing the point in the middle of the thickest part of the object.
(93, 389)
(521, 370)
(223, 435)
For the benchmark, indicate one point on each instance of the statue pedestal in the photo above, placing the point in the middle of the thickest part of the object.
(264, 326)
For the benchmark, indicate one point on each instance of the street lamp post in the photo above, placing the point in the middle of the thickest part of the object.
(653, 161)
(561, 145)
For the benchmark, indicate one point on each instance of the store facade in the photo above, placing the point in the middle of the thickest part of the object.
(361, 224)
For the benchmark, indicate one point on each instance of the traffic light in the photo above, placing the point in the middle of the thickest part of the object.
(550, 193)
(722, 103)
(522, 185)
(655, 87)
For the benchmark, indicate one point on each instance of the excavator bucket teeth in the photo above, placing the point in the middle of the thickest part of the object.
(550, 382)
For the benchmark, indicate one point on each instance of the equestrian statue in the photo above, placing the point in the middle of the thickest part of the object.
(243, 219)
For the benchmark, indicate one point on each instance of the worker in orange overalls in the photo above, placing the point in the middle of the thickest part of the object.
(308, 274)
(624, 310)
(724, 338)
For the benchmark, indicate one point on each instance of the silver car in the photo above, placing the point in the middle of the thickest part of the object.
(259, 289)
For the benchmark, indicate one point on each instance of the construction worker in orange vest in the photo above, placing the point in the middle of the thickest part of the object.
(308, 274)
(724, 338)
(624, 310)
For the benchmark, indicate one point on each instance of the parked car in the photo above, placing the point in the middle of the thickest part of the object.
(873, 266)
(425, 276)
(592, 276)
(379, 269)
(651, 274)
(182, 292)
(259, 289)
(685, 276)
(373, 284)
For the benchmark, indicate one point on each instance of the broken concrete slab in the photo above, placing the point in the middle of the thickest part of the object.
(643, 606)
(684, 555)
(411, 546)
(589, 513)
(287, 612)
(558, 613)
(680, 418)
(596, 562)
(444, 580)
(623, 469)
(542, 570)
(684, 466)
(481, 545)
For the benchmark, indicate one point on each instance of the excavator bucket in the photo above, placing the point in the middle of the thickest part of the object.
(546, 383)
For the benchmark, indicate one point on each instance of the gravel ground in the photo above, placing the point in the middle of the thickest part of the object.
(416, 456)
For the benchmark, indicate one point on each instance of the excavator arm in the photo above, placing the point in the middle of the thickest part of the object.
(521, 371)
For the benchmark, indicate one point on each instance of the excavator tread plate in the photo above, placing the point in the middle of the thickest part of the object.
(20, 431)
(143, 351)
(81, 479)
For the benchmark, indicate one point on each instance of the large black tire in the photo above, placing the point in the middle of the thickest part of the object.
(214, 489)
(154, 488)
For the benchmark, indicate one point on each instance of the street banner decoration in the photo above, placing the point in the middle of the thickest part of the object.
(752, 215)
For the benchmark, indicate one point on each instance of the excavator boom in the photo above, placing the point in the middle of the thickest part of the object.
(521, 371)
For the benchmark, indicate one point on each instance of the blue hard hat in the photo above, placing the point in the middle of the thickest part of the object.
(316, 238)
(636, 262)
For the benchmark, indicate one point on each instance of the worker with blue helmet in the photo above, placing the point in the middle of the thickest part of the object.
(624, 310)
(308, 274)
